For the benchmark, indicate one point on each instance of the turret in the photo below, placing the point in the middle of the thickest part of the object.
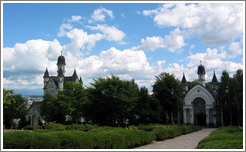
(60, 79)
(214, 84)
(184, 84)
(201, 74)
(61, 64)
(75, 76)
(80, 81)
(46, 77)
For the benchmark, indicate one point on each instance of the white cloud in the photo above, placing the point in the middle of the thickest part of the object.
(100, 15)
(235, 49)
(111, 33)
(74, 18)
(172, 42)
(64, 28)
(81, 39)
(212, 23)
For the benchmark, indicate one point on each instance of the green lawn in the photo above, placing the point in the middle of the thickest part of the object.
(223, 138)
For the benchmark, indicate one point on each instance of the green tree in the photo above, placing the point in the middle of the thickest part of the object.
(72, 100)
(162, 90)
(111, 101)
(15, 108)
(68, 103)
(147, 109)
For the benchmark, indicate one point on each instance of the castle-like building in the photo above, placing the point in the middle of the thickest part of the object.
(51, 85)
(54, 83)
(199, 101)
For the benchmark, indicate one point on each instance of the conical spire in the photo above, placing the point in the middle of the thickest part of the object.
(214, 80)
(183, 79)
(74, 76)
(80, 80)
(46, 74)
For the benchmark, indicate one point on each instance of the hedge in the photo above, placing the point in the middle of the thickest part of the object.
(167, 133)
(73, 139)
(223, 138)
(94, 138)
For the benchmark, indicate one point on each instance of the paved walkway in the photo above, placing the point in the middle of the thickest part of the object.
(188, 141)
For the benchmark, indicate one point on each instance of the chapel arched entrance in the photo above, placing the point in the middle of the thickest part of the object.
(199, 111)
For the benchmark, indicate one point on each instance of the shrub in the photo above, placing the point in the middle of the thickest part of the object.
(55, 126)
(28, 127)
(223, 138)
(81, 127)
(37, 127)
(166, 133)
(75, 139)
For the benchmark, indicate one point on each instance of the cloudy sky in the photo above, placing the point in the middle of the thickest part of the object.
(131, 40)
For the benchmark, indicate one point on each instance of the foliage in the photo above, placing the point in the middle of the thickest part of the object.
(7, 99)
(37, 127)
(17, 109)
(69, 102)
(81, 127)
(28, 127)
(171, 132)
(111, 101)
(223, 138)
(55, 126)
(147, 109)
(73, 139)
(162, 87)
(232, 101)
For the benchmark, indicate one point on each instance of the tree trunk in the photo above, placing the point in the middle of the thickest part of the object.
(167, 118)
(172, 117)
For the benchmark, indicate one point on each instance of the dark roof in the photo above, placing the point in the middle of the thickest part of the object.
(214, 80)
(36, 105)
(183, 79)
(61, 60)
(75, 74)
(46, 74)
(54, 78)
(201, 69)
(80, 80)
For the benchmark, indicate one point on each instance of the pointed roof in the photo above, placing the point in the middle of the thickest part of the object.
(214, 80)
(80, 80)
(183, 79)
(60, 73)
(74, 74)
(46, 74)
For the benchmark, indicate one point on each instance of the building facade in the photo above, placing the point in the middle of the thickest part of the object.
(54, 83)
(199, 102)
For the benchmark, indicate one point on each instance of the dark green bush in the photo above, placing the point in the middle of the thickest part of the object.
(55, 126)
(81, 127)
(223, 138)
(28, 127)
(75, 139)
(167, 133)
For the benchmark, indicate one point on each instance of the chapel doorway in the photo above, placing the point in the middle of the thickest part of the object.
(199, 108)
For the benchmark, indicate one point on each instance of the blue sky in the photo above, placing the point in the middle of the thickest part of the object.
(131, 40)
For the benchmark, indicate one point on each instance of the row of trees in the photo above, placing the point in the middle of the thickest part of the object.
(115, 102)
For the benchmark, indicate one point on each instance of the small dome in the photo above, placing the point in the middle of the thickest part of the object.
(61, 60)
(201, 69)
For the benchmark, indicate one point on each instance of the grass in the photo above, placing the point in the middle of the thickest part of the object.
(223, 138)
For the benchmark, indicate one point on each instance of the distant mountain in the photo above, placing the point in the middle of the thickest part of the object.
(29, 92)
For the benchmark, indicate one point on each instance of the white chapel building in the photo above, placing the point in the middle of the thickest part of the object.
(199, 102)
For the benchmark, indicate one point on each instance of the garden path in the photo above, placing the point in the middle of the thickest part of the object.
(188, 141)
